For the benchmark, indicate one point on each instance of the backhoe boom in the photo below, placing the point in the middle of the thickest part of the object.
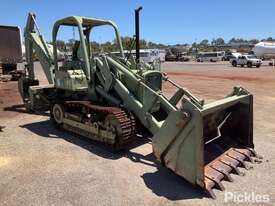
(36, 46)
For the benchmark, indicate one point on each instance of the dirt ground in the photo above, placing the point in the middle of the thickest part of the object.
(40, 165)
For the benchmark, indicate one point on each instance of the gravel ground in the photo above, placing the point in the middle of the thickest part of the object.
(40, 165)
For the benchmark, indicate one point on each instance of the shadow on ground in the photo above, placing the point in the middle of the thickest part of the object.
(163, 182)
(20, 108)
(166, 184)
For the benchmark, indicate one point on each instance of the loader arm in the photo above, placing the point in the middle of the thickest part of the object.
(34, 42)
(201, 142)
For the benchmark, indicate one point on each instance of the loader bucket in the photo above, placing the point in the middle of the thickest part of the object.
(204, 145)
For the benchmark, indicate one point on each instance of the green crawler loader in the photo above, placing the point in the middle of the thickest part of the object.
(111, 99)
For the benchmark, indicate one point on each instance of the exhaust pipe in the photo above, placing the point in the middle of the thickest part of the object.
(137, 34)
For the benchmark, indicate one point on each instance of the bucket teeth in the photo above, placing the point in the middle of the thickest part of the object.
(209, 184)
(245, 152)
(239, 157)
(214, 176)
(233, 163)
(220, 168)
(255, 154)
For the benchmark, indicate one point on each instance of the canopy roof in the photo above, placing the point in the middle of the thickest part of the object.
(84, 21)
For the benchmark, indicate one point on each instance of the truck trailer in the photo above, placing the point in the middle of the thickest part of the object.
(10, 49)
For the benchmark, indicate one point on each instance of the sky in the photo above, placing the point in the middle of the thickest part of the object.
(162, 21)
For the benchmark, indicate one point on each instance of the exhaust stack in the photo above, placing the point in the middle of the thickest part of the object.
(137, 34)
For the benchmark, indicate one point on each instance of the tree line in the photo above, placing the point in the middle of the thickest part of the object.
(220, 41)
(110, 46)
(129, 43)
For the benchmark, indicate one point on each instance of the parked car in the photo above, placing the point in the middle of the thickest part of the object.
(228, 57)
(248, 60)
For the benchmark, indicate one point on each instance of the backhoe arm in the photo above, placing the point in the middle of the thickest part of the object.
(34, 41)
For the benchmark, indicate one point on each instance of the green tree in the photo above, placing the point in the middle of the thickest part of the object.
(220, 41)
(270, 39)
(204, 43)
(217, 42)
(253, 41)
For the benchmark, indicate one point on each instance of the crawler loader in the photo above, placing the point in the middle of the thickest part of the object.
(111, 99)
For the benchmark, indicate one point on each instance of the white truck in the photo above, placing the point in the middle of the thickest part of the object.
(10, 49)
(248, 60)
(265, 50)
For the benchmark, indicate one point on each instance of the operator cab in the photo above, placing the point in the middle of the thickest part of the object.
(79, 70)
